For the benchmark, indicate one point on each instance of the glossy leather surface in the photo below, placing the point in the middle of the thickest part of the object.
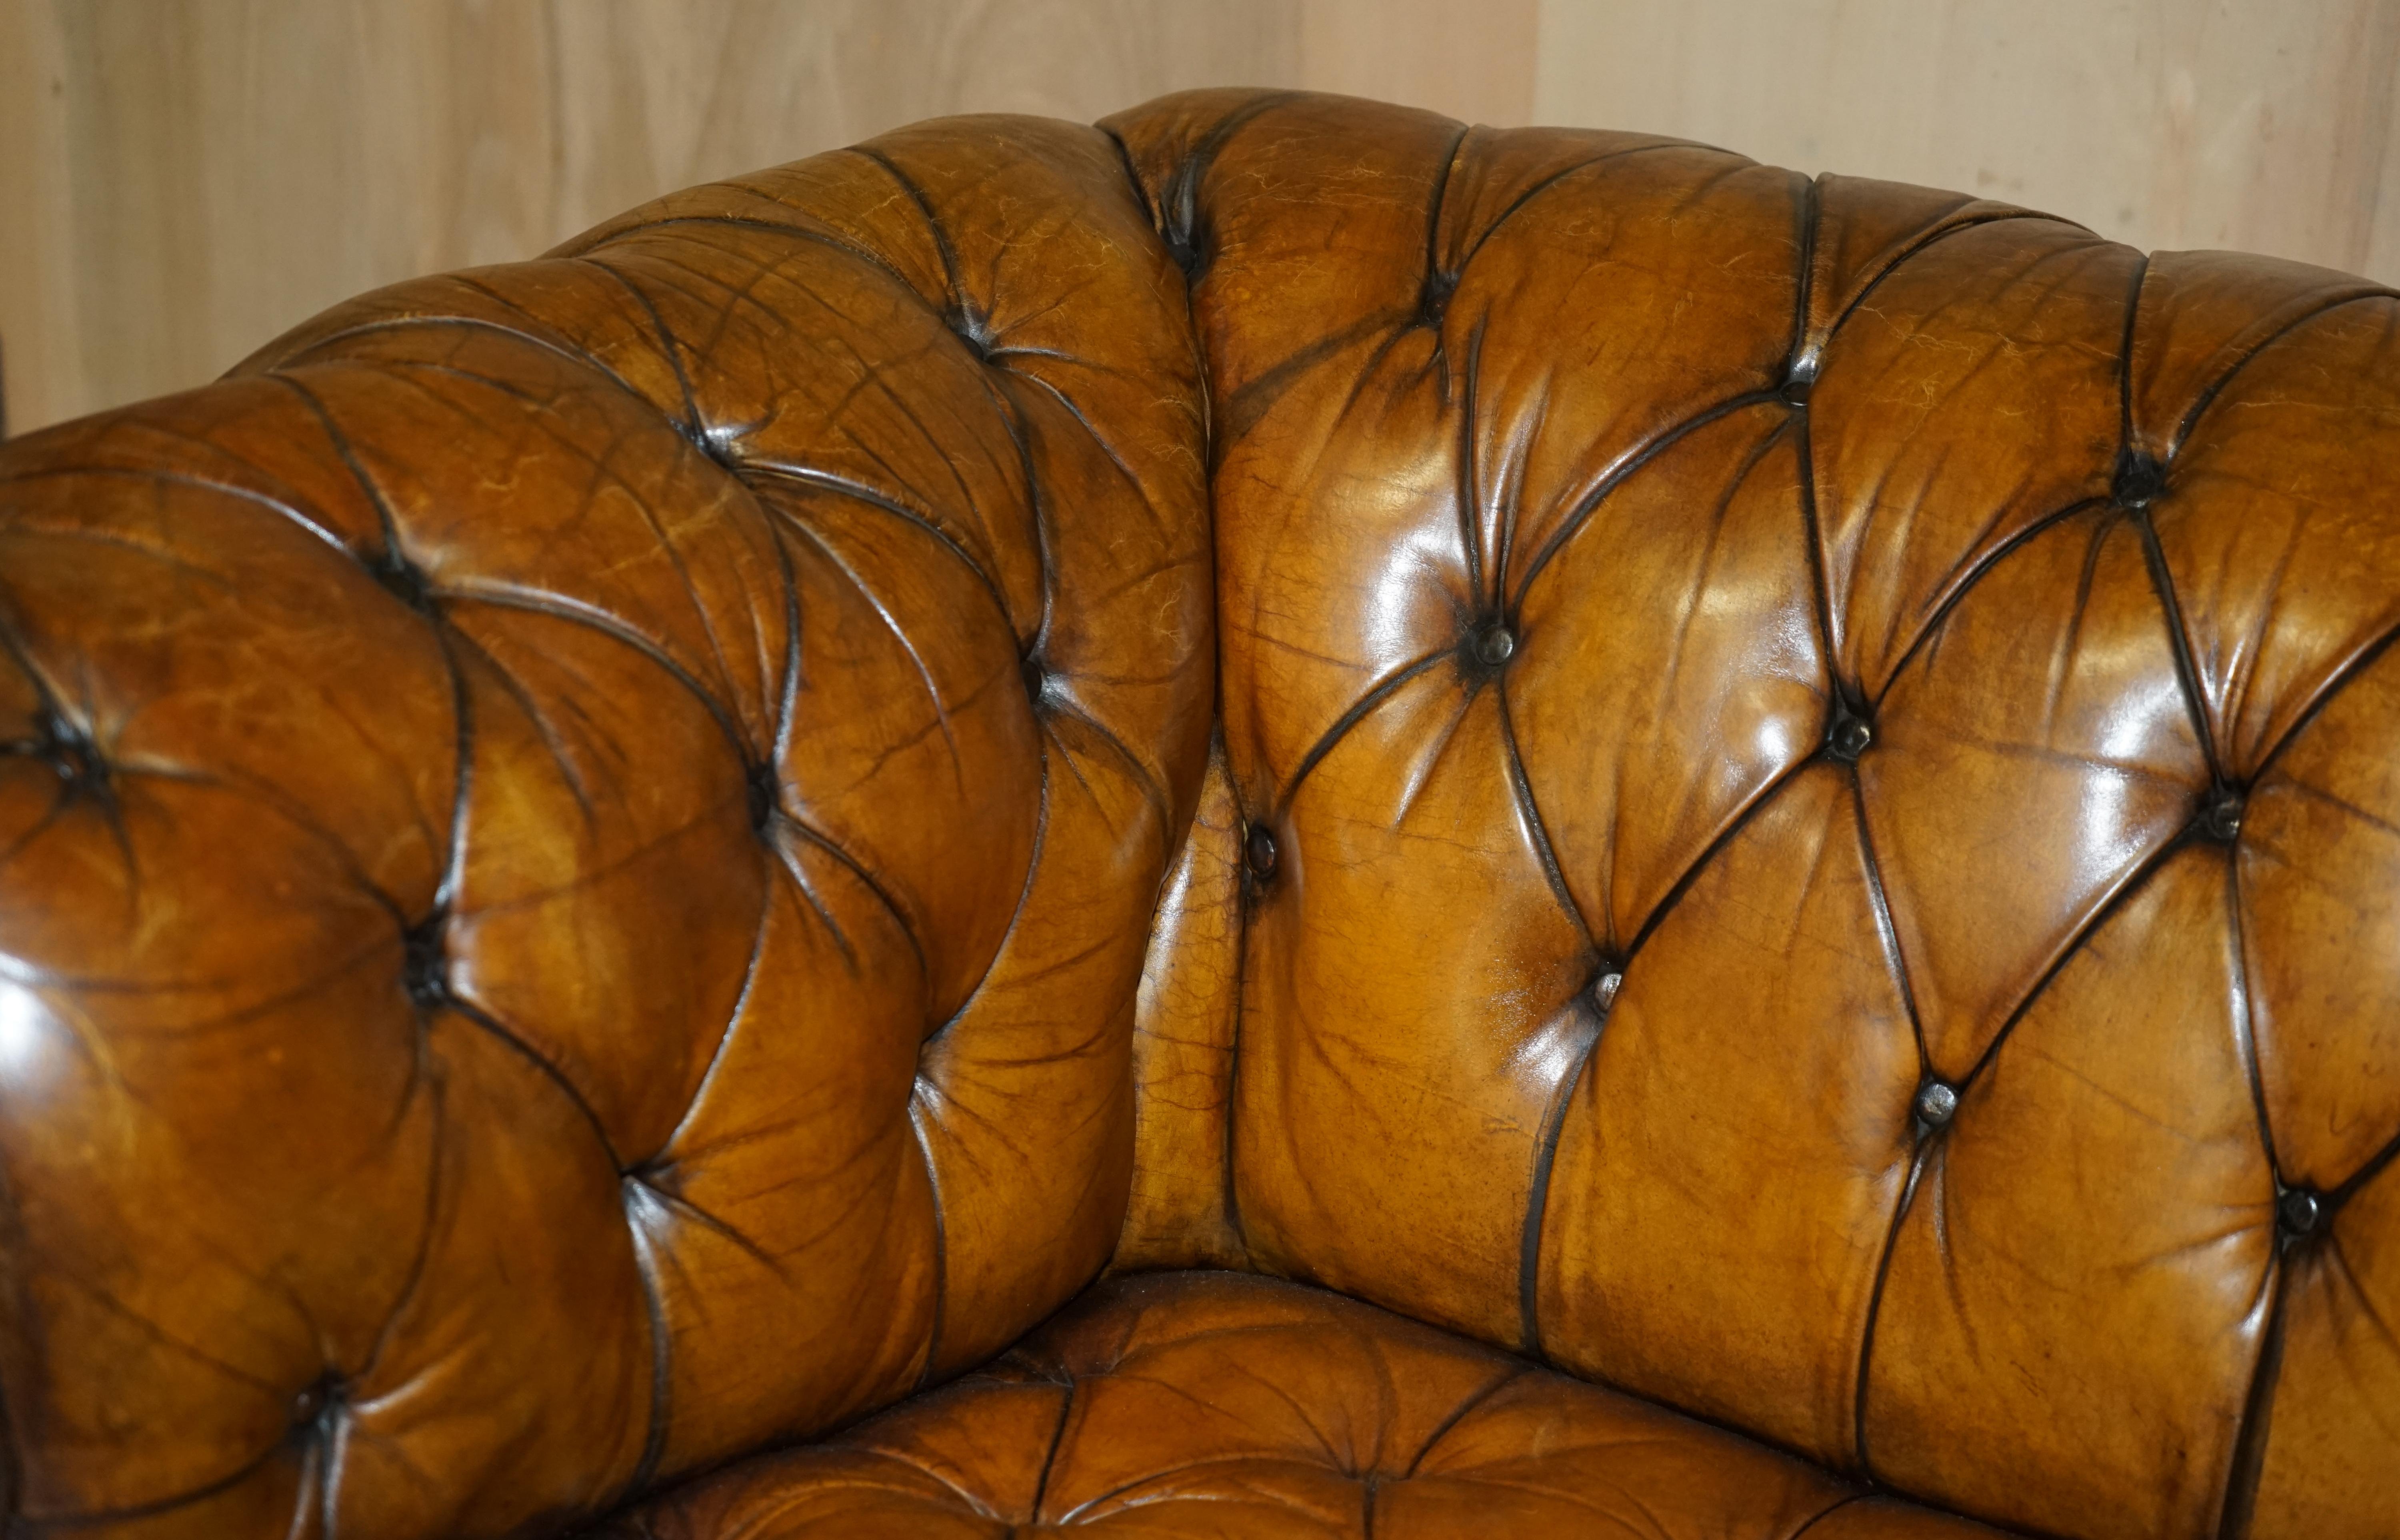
(1209, 1404)
(615, 860)
(578, 845)
(1725, 664)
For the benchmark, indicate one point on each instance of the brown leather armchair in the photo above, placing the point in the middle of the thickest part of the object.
(1279, 820)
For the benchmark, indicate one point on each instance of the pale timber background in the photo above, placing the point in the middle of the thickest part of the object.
(180, 180)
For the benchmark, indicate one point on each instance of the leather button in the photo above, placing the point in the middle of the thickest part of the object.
(1936, 1104)
(1037, 679)
(1603, 990)
(1259, 850)
(1849, 737)
(74, 757)
(401, 578)
(425, 971)
(1435, 302)
(1795, 390)
(969, 328)
(2221, 820)
(2139, 480)
(1495, 643)
(313, 1401)
(763, 793)
(2298, 1212)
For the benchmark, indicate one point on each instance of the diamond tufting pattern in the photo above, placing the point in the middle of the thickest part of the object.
(1826, 754)
(1297, 1412)
(1703, 789)
(548, 941)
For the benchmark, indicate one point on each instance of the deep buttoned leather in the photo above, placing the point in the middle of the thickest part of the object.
(1209, 1404)
(1894, 953)
(1792, 817)
(578, 844)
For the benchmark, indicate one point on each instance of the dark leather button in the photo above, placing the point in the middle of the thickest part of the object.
(1037, 679)
(2298, 1212)
(1603, 990)
(69, 752)
(2139, 481)
(314, 1399)
(1259, 850)
(969, 328)
(1435, 302)
(2221, 820)
(1495, 644)
(425, 971)
(1936, 1103)
(1795, 390)
(764, 794)
(402, 580)
(1849, 737)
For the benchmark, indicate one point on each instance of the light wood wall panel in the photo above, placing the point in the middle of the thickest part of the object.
(41, 330)
(1471, 58)
(180, 180)
(2256, 125)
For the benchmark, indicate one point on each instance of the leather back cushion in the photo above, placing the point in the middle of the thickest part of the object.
(574, 846)
(1808, 812)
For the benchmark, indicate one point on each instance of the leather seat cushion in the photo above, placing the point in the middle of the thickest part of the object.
(1194, 1404)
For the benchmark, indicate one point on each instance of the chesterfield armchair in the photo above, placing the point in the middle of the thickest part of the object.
(1276, 820)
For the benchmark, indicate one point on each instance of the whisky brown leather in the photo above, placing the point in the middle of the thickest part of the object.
(1719, 658)
(1211, 1404)
(578, 845)
(615, 860)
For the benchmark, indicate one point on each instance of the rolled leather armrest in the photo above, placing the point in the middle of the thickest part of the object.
(576, 843)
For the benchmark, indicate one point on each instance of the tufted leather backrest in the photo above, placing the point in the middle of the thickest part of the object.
(1800, 821)
(575, 848)
(1806, 821)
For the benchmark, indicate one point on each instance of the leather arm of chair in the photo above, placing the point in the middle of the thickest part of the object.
(575, 842)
